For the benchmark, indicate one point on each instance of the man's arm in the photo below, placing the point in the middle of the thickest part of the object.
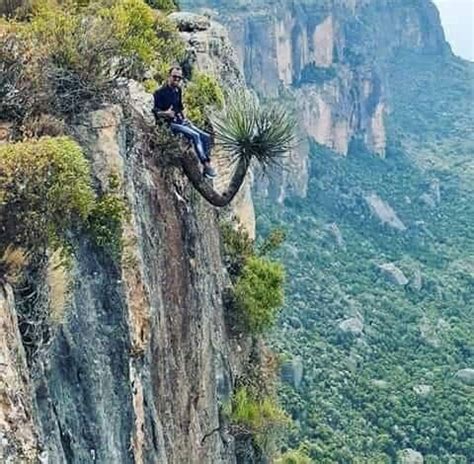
(168, 114)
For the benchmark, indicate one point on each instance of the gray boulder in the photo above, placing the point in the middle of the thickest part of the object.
(409, 456)
(335, 233)
(382, 384)
(423, 390)
(353, 326)
(393, 274)
(435, 190)
(466, 376)
(384, 212)
(416, 282)
(428, 200)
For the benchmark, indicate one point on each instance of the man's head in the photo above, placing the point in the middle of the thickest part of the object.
(175, 76)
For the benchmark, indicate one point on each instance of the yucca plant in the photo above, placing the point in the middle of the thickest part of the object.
(246, 131)
(249, 131)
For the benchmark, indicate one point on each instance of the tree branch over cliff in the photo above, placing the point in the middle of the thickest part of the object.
(245, 131)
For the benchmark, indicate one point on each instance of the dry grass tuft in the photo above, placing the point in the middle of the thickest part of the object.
(43, 125)
(12, 263)
(57, 279)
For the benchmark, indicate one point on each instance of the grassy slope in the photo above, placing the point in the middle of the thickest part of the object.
(339, 410)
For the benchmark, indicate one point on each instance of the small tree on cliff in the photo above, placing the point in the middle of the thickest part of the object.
(246, 131)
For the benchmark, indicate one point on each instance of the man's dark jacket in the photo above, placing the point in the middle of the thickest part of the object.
(169, 97)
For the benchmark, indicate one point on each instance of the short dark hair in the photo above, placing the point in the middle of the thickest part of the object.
(177, 68)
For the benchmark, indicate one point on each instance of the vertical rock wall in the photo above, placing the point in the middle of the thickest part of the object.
(18, 438)
(138, 367)
(137, 371)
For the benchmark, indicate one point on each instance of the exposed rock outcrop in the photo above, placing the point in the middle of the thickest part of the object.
(393, 274)
(137, 369)
(18, 438)
(335, 233)
(410, 456)
(423, 390)
(384, 212)
(466, 376)
(132, 375)
(292, 372)
(353, 326)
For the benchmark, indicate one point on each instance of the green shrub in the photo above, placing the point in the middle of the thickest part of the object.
(260, 417)
(17, 65)
(271, 243)
(259, 293)
(133, 26)
(76, 52)
(237, 248)
(294, 457)
(202, 92)
(45, 187)
(150, 85)
(106, 220)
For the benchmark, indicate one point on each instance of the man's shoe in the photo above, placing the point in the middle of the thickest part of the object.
(209, 172)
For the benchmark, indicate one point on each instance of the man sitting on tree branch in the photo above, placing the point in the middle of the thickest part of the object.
(169, 105)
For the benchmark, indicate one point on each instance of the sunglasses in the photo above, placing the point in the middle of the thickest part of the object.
(177, 78)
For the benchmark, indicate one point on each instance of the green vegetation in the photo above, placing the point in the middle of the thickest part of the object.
(202, 92)
(67, 58)
(294, 457)
(258, 281)
(237, 248)
(150, 85)
(46, 191)
(260, 417)
(256, 419)
(272, 242)
(106, 220)
(259, 293)
(367, 395)
(45, 188)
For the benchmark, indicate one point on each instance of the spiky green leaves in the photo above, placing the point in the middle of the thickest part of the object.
(247, 130)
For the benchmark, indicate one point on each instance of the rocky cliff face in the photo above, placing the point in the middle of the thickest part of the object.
(17, 432)
(136, 370)
(325, 60)
(137, 367)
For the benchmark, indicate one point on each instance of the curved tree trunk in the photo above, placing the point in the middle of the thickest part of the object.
(192, 170)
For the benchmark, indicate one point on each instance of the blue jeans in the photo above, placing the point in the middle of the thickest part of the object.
(200, 139)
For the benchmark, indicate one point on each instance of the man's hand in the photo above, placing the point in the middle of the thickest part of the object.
(169, 113)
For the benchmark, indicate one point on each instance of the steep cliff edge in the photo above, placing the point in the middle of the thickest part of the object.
(137, 366)
(136, 371)
(327, 61)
